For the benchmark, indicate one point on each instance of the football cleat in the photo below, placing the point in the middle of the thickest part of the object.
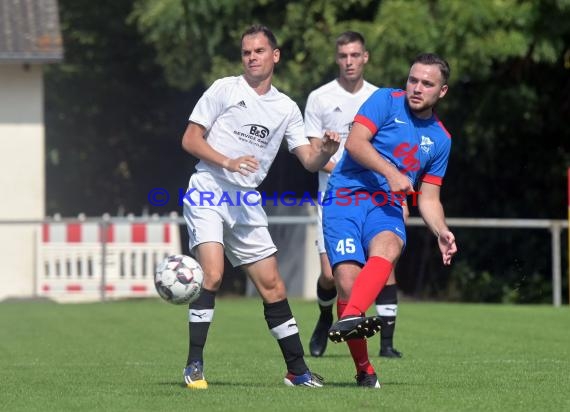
(309, 379)
(367, 380)
(194, 376)
(319, 338)
(354, 327)
(390, 352)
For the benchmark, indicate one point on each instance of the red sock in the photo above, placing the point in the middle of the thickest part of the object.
(358, 347)
(367, 286)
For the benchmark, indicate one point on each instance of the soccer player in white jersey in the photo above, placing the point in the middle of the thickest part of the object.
(333, 107)
(236, 129)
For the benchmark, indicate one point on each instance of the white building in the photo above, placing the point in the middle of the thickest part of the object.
(29, 38)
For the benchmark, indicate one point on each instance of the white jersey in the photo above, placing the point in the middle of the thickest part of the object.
(331, 107)
(240, 122)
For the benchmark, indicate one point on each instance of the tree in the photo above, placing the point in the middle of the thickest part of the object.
(510, 67)
(112, 121)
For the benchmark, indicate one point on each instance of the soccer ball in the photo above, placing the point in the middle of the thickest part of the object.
(178, 279)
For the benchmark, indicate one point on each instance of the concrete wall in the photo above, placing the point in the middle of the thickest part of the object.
(22, 173)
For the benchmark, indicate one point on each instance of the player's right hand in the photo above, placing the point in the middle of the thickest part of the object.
(447, 246)
(243, 165)
(399, 183)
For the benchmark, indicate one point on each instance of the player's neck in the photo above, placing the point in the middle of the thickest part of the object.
(351, 86)
(261, 86)
(423, 114)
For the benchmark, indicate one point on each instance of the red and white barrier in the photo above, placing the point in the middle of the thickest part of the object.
(70, 259)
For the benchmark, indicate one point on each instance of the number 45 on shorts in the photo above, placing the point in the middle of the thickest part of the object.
(345, 246)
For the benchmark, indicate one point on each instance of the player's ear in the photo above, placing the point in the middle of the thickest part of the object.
(366, 56)
(276, 55)
(443, 91)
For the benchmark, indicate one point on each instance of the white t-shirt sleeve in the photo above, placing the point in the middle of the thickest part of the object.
(295, 133)
(313, 119)
(210, 106)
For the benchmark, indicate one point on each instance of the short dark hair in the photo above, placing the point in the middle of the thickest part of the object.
(434, 59)
(259, 28)
(350, 37)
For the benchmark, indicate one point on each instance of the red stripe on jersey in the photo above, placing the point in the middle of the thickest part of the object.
(434, 180)
(166, 234)
(398, 93)
(74, 232)
(138, 233)
(439, 122)
(45, 233)
(365, 121)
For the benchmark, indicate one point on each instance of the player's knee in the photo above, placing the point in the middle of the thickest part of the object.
(344, 287)
(273, 290)
(326, 280)
(212, 281)
(343, 292)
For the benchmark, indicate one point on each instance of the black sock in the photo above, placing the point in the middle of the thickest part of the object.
(283, 327)
(326, 299)
(387, 308)
(200, 315)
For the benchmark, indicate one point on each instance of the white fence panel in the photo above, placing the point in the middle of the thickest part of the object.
(101, 260)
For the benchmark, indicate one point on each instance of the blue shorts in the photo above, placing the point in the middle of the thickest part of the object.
(349, 227)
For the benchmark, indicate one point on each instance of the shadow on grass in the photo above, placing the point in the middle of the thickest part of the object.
(249, 384)
(214, 383)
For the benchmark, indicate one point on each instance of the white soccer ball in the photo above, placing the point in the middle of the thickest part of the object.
(178, 279)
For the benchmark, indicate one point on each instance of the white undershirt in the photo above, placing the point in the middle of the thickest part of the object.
(331, 107)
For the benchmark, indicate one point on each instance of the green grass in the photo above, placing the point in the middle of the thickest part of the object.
(129, 355)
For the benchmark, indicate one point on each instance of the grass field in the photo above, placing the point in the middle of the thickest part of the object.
(129, 355)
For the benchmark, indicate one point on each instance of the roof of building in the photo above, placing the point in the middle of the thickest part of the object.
(29, 31)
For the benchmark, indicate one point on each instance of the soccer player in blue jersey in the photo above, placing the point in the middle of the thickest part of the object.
(396, 144)
(333, 106)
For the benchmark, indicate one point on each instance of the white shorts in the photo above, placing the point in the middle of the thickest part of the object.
(215, 211)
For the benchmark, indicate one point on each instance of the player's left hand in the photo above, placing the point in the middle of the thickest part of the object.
(330, 142)
(447, 246)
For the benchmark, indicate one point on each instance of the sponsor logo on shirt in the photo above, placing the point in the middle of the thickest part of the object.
(407, 154)
(255, 134)
(257, 130)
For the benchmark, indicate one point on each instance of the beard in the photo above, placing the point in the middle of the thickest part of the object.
(419, 107)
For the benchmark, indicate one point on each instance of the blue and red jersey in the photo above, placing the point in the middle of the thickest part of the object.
(419, 148)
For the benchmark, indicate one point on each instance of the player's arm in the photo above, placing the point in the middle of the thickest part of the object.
(360, 149)
(431, 209)
(328, 168)
(193, 142)
(316, 155)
